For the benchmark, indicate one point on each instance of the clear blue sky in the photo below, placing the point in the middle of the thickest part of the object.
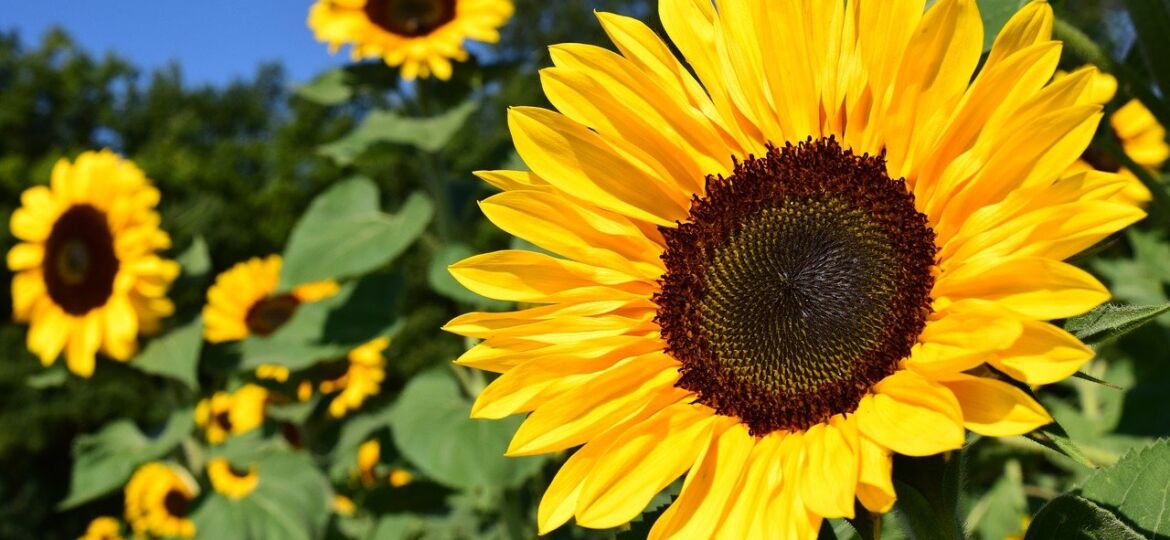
(215, 41)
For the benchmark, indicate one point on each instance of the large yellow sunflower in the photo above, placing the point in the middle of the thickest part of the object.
(87, 276)
(422, 36)
(158, 501)
(241, 303)
(834, 244)
(1141, 137)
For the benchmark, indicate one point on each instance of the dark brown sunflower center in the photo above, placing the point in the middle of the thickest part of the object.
(80, 263)
(176, 503)
(410, 18)
(238, 472)
(795, 285)
(269, 314)
(224, 420)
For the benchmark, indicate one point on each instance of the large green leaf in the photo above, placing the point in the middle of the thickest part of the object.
(1070, 517)
(426, 134)
(102, 462)
(432, 429)
(291, 502)
(1136, 489)
(175, 355)
(1000, 512)
(1110, 322)
(329, 88)
(996, 14)
(345, 234)
(329, 328)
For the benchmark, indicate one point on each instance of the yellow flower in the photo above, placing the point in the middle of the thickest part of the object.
(1141, 136)
(158, 499)
(400, 477)
(225, 414)
(241, 303)
(87, 276)
(304, 391)
(367, 460)
(422, 36)
(362, 379)
(272, 372)
(103, 528)
(343, 505)
(774, 273)
(229, 482)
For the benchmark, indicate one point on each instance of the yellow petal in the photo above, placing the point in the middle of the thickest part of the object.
(1030, 25)
(1035, 287)
(81, 350)
(49, 333)
(708, 488)
(995, 408)
(560, 499)
(828, 479)
(644, 460)
(511, 180)
(121, 329)
(960, 340)
(585, 164)
(911, 415)
(1044, 354)
(755, 496)
(25, 256)
(525, 276)
(875, 488)
(636, 387)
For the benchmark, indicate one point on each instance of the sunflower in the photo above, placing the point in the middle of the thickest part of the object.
(87, 276)
(362, 378)
(241, 303)
(837, 243)
(225, 414)
(158, 499)
(368, 455)
(400, 477)
(1142, 138)
(343, 505)
(230, 482)
(103, 528)
(422, 36)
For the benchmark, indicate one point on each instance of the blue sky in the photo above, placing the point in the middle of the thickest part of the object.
(215, 41)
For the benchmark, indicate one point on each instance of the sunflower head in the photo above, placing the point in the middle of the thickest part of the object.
(225, 414)
(231, 482)
(87, 274)
(103, 528)
(364, 372)
(242, 302)
(825, 236)
(158, 501)
(422, 36)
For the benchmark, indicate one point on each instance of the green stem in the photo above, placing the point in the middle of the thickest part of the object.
(434, 176)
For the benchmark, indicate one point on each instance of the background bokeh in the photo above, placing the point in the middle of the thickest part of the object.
(239, 160)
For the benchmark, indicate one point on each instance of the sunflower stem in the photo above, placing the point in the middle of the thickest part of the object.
(435, 179)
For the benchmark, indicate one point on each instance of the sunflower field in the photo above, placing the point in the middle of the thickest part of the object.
(597, 269)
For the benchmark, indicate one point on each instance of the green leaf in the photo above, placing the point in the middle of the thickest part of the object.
(996, 14)
(290, 502)
(1001, 511)
(174, 355)
(1054, 437)
(102, 462)
(398, 527)
(928, 495)
(1151, 22)
(196, 260)
(432, 429)
(1089, 378)
(345, 234)
(329, 328)
(426, 134)
(1136, 489)
(329, 88)
(51, 377)
(1069, 517)
(1109, 322)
